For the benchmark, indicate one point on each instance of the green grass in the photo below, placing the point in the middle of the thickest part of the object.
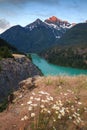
(3, 105)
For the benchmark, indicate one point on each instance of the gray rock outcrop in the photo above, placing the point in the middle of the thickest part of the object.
(14, 70)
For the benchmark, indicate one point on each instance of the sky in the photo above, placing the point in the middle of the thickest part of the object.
(23, 12)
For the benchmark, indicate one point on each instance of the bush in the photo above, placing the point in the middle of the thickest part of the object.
(3, 105)
(5, 52)
(29, 56)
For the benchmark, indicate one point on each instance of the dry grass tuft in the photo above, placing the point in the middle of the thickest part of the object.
(54, 103)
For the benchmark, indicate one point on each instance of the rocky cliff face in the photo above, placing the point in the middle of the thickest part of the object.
(14, 70)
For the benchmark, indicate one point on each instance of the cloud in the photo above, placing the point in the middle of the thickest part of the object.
(4, 24)
(29, 1)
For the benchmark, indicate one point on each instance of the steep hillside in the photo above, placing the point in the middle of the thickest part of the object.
(34, 37)
(45, 103)
(12, 71)
(6, 44)
(6, 50)
(71, 49)
(76, 36)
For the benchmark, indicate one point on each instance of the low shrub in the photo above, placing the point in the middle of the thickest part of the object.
(5, 52)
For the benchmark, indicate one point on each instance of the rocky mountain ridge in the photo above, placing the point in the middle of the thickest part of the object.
(36, 36)
(59, 22)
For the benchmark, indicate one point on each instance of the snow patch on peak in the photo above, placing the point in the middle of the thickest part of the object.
(30, 27)
(58, 37)
(52, 25)
(34, 24)
(58, 22)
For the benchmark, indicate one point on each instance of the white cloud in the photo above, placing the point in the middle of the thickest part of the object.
(4, 24)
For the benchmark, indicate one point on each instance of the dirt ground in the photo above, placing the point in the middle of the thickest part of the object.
(10, 119)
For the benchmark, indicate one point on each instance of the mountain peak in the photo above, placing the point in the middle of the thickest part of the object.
(38, 21)
(58, 22)
(54, 19)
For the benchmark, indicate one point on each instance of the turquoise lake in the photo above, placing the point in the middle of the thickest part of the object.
(50, 69)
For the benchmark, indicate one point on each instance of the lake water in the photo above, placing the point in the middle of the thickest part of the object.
(50, 69)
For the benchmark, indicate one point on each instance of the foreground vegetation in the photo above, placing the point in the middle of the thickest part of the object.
(3, 105)
(6, 49)
(5, 52)
(49, 113)
(63, 108)
(48, 103)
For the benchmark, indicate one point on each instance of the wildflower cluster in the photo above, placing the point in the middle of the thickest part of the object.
(47, 112)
